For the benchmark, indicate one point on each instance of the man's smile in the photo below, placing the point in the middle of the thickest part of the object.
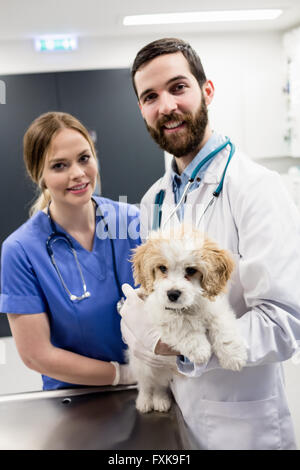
(172, 126)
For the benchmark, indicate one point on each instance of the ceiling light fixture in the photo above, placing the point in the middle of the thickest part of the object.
(202, 16)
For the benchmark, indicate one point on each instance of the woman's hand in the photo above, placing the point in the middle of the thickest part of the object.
(124, 374)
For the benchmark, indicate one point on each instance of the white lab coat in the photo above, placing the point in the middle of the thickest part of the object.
(257, 221)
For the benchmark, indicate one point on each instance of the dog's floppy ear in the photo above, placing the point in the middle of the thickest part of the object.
(143, 272)
(219, 265)
(137, 262)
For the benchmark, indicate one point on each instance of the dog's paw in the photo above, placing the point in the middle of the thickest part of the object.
(201, 354)
(197, 349)
(144, 403)
(161, 403)
(232, 355)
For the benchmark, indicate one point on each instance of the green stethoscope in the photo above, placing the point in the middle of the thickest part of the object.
(159, 198)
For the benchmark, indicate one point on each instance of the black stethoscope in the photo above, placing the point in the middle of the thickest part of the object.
(57, 235)
(159, 198)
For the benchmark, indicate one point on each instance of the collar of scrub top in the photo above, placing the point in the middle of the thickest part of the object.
(159, 198)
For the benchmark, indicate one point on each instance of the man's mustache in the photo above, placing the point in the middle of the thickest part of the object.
(173, 117)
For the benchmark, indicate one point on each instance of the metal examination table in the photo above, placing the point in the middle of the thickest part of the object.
(87, 418)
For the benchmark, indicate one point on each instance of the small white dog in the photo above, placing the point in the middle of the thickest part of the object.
(183, 279)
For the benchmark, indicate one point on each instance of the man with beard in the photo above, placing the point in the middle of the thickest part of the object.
(255, 219)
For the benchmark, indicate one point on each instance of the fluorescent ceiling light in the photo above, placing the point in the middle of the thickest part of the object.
(202, 16)
(54, 43)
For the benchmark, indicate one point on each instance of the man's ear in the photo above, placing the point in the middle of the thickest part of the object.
(141, 108)
(208, 90)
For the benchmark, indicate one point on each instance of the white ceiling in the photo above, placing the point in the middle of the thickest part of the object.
(26, 19)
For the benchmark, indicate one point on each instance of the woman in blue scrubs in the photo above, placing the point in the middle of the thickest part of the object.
(66, 331)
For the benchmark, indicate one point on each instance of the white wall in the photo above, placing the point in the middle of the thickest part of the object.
(249, 74)
(247, 70)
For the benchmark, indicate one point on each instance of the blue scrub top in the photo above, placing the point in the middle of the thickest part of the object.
(30, 283)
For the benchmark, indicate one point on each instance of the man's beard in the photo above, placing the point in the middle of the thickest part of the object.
(184, 141)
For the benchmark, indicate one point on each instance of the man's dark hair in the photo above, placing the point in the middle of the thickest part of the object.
(169, 46)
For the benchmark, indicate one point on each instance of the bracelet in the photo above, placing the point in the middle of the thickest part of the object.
(117, 377)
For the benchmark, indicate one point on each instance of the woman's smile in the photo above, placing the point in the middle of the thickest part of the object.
(79, 188)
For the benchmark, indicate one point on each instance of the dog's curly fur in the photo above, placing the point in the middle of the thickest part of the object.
(183, 277)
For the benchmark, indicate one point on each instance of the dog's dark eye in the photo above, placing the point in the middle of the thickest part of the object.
(162, 268)
(190, 271)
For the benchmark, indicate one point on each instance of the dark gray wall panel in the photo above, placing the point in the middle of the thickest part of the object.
(27, 96)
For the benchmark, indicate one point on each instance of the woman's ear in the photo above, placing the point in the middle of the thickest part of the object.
(42, 184)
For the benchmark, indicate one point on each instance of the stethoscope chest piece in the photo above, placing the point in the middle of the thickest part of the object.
(83, 296)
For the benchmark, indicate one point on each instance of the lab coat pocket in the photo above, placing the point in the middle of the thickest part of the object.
(251, 425)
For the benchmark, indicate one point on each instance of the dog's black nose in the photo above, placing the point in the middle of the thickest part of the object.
(173, 295)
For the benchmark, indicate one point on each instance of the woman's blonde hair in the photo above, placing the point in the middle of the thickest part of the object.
(36, 142)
